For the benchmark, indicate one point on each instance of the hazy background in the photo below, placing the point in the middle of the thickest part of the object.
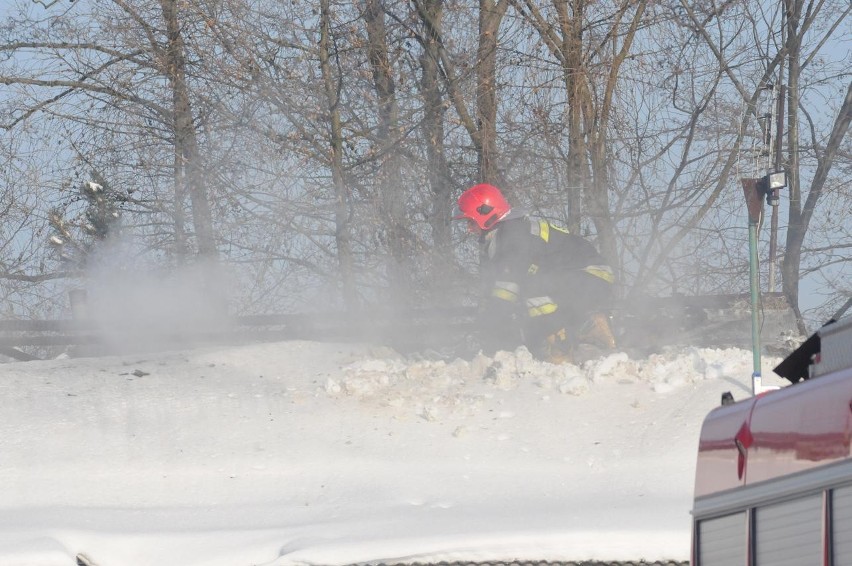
(306, 156)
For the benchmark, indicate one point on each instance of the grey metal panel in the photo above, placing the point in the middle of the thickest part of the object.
(841, 532)
(789, 533)
(835, 347)
(722, 541)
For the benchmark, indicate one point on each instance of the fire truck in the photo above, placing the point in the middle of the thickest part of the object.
(773, 483)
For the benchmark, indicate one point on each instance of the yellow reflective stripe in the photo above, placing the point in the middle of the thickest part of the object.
(540, 228)
(538, 306)
(542, 310)
(503, 294)
(544, 230)
(506, 290)
(602, 271)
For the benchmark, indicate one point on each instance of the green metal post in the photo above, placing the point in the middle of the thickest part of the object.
(756, 380)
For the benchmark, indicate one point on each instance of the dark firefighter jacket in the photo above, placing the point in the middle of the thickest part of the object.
(542, 278)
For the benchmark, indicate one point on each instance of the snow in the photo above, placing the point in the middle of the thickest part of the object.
(310, 453)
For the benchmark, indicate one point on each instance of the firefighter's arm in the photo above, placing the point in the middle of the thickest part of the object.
(500, 320)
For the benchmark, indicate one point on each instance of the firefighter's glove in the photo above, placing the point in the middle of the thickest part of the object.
(557, 348)
(598, 332)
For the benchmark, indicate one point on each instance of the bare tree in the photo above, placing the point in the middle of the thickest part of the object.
(799, 19)
(107, 74)
(434, 111)
(817, 22)
(188, 159)
(491, 14)
(332, 77)
(392, 192)
(329, 146)
(590, 60)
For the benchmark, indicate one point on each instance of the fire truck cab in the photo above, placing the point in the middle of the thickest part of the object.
(773, 484)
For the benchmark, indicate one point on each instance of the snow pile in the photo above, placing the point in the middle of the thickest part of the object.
(307, 453)
(394, 381)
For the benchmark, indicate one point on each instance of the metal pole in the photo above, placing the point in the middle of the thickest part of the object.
(756, 379)
(754, 200)
(777, 163)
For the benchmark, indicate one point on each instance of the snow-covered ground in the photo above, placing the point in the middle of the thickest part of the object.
(309, 453)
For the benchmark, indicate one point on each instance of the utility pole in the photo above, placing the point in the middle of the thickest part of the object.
(755, 191)
(754, 201)
(774, 198)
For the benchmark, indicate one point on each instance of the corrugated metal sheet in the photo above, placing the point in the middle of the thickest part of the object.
(723, 540)
(789, 533)
(841, 508)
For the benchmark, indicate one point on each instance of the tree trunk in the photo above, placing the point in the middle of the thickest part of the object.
(392, 190)
(574, 75)
(180, 246)
(490, 16)
(597, 128)
(796, 228)
(342, 236)
(186, 140)
(433, 132)
(801, 215)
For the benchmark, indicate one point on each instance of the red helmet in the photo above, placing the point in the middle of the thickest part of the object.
(484, 204)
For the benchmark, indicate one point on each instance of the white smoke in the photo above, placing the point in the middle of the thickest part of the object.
(132, 306)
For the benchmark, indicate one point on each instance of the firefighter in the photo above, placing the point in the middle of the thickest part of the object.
(546, 288)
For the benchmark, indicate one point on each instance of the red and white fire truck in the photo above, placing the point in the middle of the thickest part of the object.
(773, 483)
